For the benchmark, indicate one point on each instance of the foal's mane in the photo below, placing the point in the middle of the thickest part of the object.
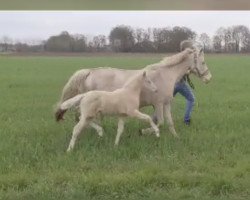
(170, 61)
(132, 81)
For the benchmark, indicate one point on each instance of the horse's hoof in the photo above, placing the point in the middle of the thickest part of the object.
(140, 132)
(100, 136)
(69, 150)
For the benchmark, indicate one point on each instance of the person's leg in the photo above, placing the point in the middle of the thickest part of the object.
(186, 91)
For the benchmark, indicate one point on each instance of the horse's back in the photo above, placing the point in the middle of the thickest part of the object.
(107, 79)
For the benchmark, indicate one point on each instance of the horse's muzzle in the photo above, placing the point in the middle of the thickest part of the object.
(206, 79)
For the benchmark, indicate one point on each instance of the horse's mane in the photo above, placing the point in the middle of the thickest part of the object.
(170, 60)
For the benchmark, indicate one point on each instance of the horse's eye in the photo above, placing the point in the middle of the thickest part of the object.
(203, 63)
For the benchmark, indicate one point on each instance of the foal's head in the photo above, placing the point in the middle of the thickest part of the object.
(148, 83)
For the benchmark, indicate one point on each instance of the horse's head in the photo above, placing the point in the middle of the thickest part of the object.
(148, 83)
(199, 66)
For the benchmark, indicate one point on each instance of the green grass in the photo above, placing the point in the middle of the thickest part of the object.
(210, 161)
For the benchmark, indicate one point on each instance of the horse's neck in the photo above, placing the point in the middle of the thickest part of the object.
(178, 71)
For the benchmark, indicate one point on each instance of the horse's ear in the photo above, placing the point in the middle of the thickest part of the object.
(144, 74)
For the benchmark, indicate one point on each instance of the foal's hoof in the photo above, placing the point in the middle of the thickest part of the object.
(140, 132)
(176, 136)
(69, 150)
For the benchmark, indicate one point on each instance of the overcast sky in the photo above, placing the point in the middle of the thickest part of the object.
(39, 25)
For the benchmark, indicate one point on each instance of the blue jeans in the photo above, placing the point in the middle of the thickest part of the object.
(186, 91)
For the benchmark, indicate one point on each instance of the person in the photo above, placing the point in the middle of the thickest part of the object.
(183, 87)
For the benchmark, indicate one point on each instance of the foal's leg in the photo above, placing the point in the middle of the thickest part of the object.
(158, 115)
(119, 131)
(168, 115)
(97, 127)
(76, 131)
(147, 118)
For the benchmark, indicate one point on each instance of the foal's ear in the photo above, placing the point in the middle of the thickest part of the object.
(144, 74)
(189, 50)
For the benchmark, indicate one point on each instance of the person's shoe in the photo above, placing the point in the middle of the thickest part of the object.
(187, 122)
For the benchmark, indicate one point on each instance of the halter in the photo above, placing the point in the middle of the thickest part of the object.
(200, 74)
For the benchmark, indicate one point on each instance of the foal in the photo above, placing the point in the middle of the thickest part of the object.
(123, 102)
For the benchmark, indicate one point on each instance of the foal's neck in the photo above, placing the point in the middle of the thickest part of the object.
(134, 85)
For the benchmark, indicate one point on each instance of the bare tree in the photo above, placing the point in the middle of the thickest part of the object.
(6, 43)
(99, 42)
(206, 41)
(241, 37)
(139, 32)
(217, 43)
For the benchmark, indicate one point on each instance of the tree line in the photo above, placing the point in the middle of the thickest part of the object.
(233, 39)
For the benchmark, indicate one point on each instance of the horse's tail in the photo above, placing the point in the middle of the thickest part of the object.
(73, 87)
(74, 101)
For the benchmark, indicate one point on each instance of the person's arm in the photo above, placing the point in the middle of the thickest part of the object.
(190, 83)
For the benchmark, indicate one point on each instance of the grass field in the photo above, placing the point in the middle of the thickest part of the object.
(123, 5)
(210, 161)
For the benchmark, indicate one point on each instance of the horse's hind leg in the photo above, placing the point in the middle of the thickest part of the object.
(147, 118)
(76, 131)
(97, 127)
(119, 131)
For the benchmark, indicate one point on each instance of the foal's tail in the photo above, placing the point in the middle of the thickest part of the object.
(75, 101)
(74, 86)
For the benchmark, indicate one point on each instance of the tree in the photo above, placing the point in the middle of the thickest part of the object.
(65, 42)
(79, 43)
(205, 40)
(241, 37)
(139, 33)
(169, 39)
(122, 38)
(142, 41)
(161, 38)
(60, 43)
(99, 42)
(225, 36)
(6, 43)
(217, 43)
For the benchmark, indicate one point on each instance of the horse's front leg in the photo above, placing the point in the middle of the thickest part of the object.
(159, 114)
(167, 108)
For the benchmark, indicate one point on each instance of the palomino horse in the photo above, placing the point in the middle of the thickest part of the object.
(164, 74)
(123, 102)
